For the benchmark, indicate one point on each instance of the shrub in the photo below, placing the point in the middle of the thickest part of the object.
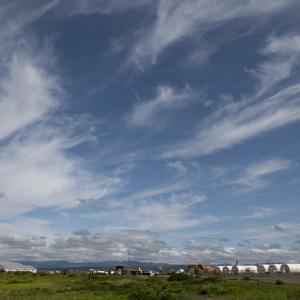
(179, 277)
(20, 273)
(212, 279)
(147, 291)
(211, 289)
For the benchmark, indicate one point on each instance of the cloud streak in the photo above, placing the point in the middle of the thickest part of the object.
(28, 92)
(255, 175)
(75, 7)
(147, 113)
(36, 167)
(176, 20)
(271, 107)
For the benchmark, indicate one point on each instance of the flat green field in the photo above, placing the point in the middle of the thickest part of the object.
(83, 286)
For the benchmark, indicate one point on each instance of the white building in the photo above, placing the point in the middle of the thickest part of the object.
(227, 269)
(263, 268)
(237, 269)
(290, 268)
(219, 269)
(251, 270)
(16, 267)
(274, 268)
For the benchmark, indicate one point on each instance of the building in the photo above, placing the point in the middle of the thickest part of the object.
(274, 268)
(219, 269)
(122, 270)
(290, 268)
(16, 267)
(227, 270)
(98, 272)
(200, 269)
(248, 270)
(263, 268)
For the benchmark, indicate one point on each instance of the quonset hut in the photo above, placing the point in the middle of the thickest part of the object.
(290, 268)
(262, 269)
(219, 269)
(16, 267)
(274, 268)
(227, 269)
(237, 269)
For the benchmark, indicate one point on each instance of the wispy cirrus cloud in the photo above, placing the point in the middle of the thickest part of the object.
(37, 172)
(167, 99)
(28, 92)
(75, 7)
(177, 20)
(36, 167)
(171, 213)
(161, 212)
(271, 107)
(49, 175)
(255, 176)
(234, 179)
(178, 167)
(262, 213)
(15, 16)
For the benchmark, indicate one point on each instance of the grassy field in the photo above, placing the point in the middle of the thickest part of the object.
(82, 286)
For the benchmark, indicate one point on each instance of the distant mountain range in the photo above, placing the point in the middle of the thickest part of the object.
(103, 265)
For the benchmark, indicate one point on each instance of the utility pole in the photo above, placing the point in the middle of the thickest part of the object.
(128, 257)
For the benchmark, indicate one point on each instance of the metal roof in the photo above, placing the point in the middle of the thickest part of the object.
(13, 265)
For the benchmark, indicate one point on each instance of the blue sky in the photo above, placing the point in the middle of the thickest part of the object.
(170, 128)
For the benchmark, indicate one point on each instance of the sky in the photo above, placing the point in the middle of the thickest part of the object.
(167, 127)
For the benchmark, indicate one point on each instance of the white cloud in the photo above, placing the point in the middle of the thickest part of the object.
(261, 212)
(289, 44)
(281, 232)
(37, 172)
(73, 7)
(234, 122)
(239, 124)
(200, 55)
(267, 167)
(27, 93)
(15, 16)
(25, 226)
(256, 246)
(145, 113)
(175, 212)
(157, 212)
(36, 168)
(179, 167)
(255, 175)
(144, 245)
(178, 19)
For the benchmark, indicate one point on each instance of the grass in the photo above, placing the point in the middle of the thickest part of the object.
(82, 286)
